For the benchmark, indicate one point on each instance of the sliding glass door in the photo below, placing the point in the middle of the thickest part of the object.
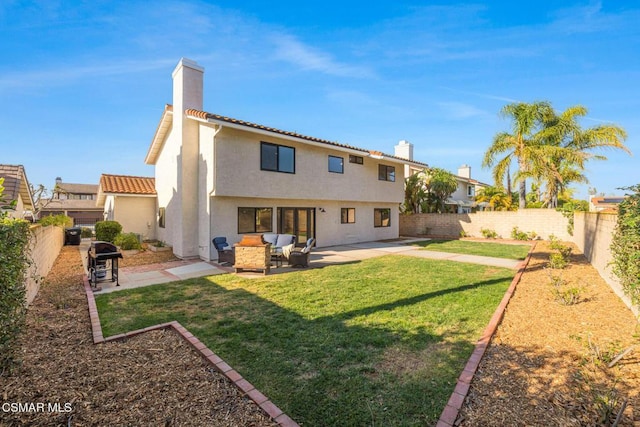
(301, 222)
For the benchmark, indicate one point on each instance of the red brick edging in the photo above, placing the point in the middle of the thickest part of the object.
(452, 409)
(245, 386)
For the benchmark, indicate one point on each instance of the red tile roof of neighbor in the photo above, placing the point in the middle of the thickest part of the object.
(123, 184)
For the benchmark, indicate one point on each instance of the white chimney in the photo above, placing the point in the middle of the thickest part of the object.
(464, 171)
(187, 86)
(404, 150)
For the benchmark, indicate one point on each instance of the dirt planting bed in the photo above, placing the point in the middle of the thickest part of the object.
(151, 379)
(548, 362)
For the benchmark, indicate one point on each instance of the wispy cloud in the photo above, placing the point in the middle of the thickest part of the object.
(290, 49)
(482, 95)
(69, 73)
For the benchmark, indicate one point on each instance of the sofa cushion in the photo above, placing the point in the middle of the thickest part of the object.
(284, 240)
(270, 238)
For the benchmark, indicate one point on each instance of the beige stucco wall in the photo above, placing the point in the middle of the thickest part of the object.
(544, 222)
(238, 172)
(329, 230)
(46, 243)
(593, 234)
(136, 214)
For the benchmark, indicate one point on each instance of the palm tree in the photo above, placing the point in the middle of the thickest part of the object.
(574, 147)
(496, 197)
(414, 193)
(521, 146)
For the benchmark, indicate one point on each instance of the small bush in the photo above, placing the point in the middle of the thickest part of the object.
(59, 220)
(464, 234)
(516, 234)
(488, 233)
(557, 261)
(108, 230)
(127, 241)
(86, 232)
(569, 296)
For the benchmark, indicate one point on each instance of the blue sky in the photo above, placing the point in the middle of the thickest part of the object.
(83, 84)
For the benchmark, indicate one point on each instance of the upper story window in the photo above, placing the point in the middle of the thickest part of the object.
(336, 164)
(471, 191)
(277, 158)
(356, 159)
(386, 173)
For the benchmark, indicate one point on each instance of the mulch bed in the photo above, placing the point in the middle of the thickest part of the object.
(151, 379)
(547, 365)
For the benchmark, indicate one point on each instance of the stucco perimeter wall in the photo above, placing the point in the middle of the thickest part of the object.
(593, 234)
(544, 222)
(46, 243)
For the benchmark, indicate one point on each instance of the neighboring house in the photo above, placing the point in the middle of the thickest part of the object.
(605, 203)
(463, 200)
(77, 201)
(131, 201)
(16, 187)
(218, 176)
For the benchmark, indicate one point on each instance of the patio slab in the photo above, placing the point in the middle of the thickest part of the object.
(134, 277)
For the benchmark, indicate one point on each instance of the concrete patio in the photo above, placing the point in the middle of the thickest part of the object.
(153, 274)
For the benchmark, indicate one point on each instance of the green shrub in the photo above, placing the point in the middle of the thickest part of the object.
(86, 232)
(59, 220)
(107, 230)
(516, 234)
(625, 246)
(569, 296)
(464, 234)
(557, 261)
(14, 252)
(127, 241)
(488, 233)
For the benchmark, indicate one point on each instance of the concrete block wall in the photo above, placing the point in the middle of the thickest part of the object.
(593, 234)
(544, 222)
(46, 243)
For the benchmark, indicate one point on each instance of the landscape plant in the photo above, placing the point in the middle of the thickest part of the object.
(14, 253)
(60, 220)
(489, 233)
(107, 231)
(625, 246)
(127, 241)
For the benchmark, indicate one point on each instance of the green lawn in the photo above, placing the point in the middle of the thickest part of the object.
(379, 342)
(498, 250)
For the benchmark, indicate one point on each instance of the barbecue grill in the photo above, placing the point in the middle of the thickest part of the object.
(103, 256)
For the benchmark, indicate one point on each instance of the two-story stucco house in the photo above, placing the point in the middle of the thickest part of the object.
(218, 176)
(463, 200)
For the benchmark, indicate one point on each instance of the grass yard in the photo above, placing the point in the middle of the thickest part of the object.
(498, 250)
(378, 342)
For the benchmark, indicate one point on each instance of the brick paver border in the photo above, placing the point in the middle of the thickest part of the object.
(452, 409)
(245, 386)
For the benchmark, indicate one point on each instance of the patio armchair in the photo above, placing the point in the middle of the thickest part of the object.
(225, 251)
(300, 256)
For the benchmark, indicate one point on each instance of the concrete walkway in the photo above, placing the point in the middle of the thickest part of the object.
(359, 251)
(153, 274)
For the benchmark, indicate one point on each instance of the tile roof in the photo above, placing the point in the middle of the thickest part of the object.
(124, 184)
(202, 115)
(69, 188)
(16, 184)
